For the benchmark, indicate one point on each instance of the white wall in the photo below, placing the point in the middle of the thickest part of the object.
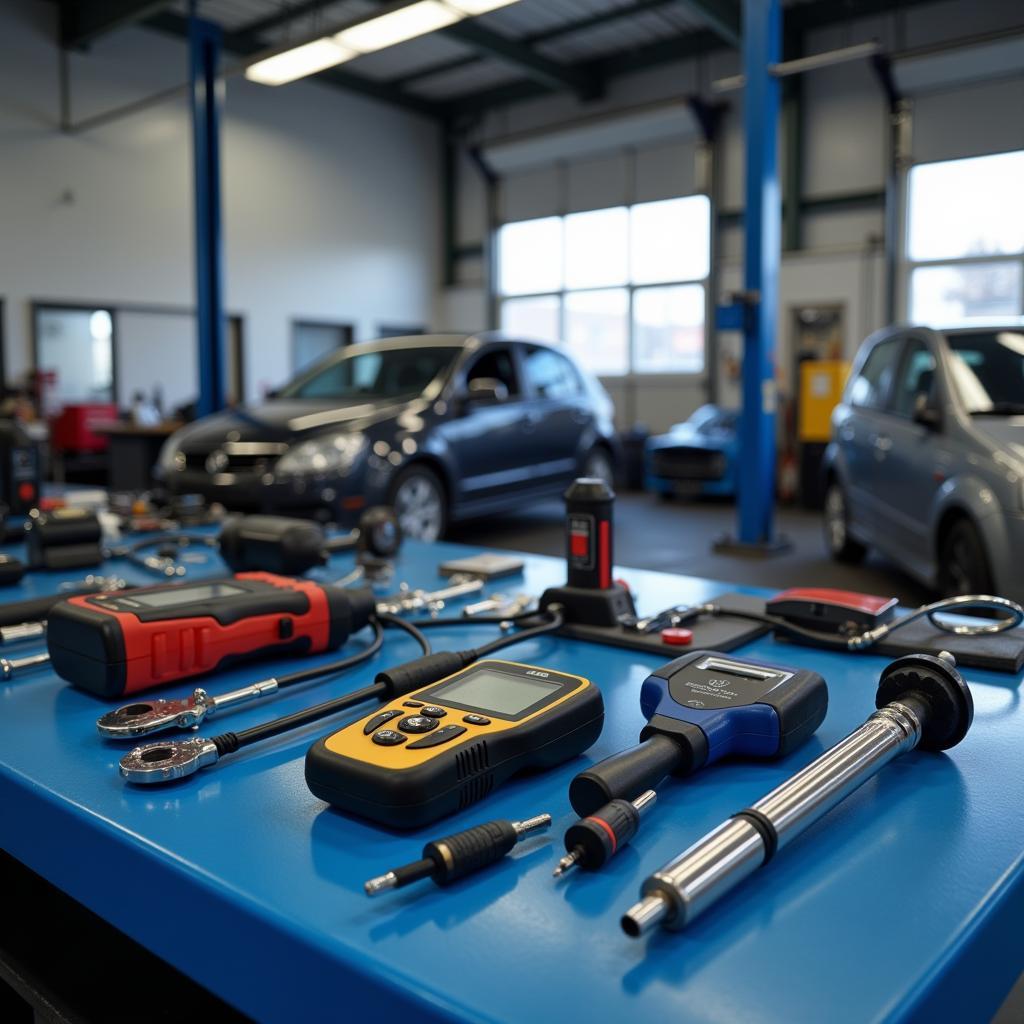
(845, 140)
(330, 200)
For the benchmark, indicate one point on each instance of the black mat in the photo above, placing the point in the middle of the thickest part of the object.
(721, 633)
(999, 652)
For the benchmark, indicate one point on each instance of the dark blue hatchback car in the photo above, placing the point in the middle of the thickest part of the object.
(442, 427)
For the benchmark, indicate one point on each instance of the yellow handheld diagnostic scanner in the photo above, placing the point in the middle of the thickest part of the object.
(439, 749)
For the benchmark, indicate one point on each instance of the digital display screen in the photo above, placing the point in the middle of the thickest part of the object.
(174, 596)
(501, 693)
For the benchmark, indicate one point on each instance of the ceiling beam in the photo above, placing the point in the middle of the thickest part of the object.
(688, 44)
(817, 14)
(568, 28)
(244, 45)
(535, 66)
(721, 16)
(82, 21)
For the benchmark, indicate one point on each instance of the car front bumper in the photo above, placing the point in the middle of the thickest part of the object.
(335, 499)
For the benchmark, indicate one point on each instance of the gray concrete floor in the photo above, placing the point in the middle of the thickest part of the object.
(677, 536)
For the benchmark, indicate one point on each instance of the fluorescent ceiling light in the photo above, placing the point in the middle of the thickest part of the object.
(369, 35)
(471, 8)
(298, 62)
(397, 26)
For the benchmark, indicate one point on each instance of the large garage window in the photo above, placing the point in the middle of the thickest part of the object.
(965, 240)
(623, 288)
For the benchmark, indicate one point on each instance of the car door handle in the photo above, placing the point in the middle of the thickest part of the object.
(531, 418)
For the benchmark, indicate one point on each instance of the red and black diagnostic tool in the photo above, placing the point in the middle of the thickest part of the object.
(843, 612)
(700, 708)
(117, 643)
(590, 595)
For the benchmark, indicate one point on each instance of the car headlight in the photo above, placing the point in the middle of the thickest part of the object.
(322, 455)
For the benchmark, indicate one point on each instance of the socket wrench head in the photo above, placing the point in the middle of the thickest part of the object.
(148, 716)
(155, 763)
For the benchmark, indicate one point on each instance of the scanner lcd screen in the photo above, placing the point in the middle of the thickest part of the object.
(497, 692)
(174, 596)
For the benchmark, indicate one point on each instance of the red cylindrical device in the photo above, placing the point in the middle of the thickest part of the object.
(588, 505)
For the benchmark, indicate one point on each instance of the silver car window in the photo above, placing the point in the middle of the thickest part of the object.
(916, 379)
(869, 389)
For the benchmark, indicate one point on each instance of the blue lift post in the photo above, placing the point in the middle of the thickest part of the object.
(207, 100)
(754, 312)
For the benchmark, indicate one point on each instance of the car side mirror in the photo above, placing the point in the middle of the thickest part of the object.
(926, 413)
(485, 391)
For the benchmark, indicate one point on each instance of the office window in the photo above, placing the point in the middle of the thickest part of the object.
(623, 288)
(965, 240)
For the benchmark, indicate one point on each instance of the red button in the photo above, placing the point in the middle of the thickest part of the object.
(677, 636)
(26, 492)
(578, 545)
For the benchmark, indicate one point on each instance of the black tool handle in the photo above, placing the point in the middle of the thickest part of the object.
(36, 608)
(626, 775)
(465, 852)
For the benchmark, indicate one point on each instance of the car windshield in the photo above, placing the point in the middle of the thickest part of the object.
(386, 373)
(988, 371)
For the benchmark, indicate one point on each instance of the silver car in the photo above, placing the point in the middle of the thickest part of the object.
(926, 462)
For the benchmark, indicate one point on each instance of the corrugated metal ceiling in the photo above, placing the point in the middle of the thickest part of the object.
(544, 25)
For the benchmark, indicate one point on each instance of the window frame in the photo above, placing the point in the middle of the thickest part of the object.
(629, 288)
(526, 349)
(909, 266)
(899, 343)
(911, 343)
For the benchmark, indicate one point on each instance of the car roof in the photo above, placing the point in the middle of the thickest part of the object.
(445, 341)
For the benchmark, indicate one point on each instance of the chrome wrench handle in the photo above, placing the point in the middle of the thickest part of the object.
(143, 718)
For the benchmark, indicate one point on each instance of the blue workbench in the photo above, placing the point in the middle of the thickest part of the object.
(906, 902)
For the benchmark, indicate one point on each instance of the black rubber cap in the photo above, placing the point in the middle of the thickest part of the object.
(938, 684)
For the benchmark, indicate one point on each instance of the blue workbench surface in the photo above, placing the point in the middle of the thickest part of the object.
(905, 902)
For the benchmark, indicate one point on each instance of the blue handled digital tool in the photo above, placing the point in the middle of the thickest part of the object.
(699, 708)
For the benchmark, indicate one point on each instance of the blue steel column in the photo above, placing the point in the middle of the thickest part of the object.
(762, 40)
(207, 100)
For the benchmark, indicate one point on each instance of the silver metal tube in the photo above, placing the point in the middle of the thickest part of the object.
(241, 695)
(702, 874)
(22, 631)
(9, 666)
(826, 782)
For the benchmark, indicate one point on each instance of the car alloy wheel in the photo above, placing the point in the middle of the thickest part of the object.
(419, 505)
(841, 545)
(964, 568)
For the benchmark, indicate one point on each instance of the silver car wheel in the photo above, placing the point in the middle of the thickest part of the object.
(419, 508)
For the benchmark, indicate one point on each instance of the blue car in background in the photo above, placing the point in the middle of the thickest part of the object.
(696, 457)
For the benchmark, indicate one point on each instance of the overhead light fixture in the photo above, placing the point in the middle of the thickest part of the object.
(299, 62)
(397, 26)
(400, 23)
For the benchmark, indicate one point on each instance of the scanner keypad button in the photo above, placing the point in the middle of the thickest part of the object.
(476, 720)
(449, 732)
(417, 723)
(388, 738)
(378, 720)
(433, 711)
